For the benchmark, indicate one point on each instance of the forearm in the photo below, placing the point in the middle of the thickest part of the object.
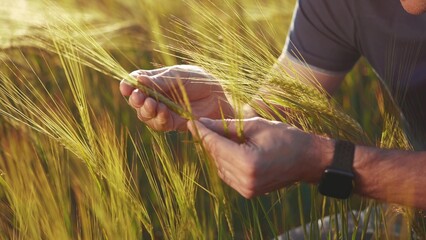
(394, 176)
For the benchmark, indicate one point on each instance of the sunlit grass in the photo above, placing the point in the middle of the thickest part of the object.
(69, 171)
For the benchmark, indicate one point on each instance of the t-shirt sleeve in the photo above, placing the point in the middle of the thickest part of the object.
(323, 35)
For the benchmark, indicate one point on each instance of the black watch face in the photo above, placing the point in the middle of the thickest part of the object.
(336, 183)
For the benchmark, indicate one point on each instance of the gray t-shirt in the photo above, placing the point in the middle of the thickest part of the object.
(332, 35)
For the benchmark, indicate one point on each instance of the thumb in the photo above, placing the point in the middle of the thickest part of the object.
(157, 79)
(213, 141)
(230, 128)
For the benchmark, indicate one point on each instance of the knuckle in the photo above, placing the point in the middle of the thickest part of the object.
(145, 115)
(136, 73)
(140, 116)
(225, 178)
(153, 124)
(250, 184)
(158, 125)
(149, 108)
(123, 83)
(248, 194)
(132, 104)
(208, 143)
(250, 171)
(221, 176)
(161, 120)
(148, 111)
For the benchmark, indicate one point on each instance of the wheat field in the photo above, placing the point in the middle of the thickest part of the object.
(76, 163)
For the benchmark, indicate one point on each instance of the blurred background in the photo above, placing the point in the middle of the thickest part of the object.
(75, 162)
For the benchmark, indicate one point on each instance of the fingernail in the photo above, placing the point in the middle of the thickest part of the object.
(195, 124)
(192, 126)
(138, 96)
(134, 74)
(205, 121)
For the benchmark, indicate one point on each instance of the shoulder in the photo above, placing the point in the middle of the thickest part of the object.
(329, 8)
(323, 34)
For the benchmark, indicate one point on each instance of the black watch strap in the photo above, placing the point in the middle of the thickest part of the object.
(343, 156)
(337, 179)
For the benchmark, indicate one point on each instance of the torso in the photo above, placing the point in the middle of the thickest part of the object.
(394, 42)
(331, 35)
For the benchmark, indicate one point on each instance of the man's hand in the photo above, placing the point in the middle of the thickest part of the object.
(205, 95)
(273, 155)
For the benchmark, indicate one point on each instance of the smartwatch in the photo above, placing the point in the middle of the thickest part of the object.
(337, 181)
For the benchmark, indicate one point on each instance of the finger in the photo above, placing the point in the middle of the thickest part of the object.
(125, 88)
(163, 121)
(233, 182)
(219, 147)
(168, 80)
(230, 128)
(151, 72)
(227, 177)
(137, 99)
(231, 167)
(163, 114)
(226, 154)
(143, 119)
(179, 123)
(149, 109)
(163, 82)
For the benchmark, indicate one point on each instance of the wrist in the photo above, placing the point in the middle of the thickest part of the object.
(364, 160)
(320, 156)
(337, 181)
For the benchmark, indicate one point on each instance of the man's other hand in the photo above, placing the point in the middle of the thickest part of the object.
(268, 156)
(205, 95)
